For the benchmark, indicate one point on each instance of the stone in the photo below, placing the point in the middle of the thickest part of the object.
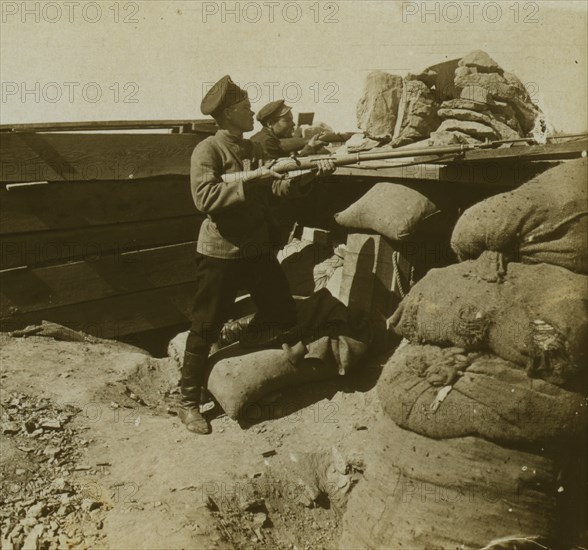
(507, 88)
(31, 542)
(506, 114)
(10, 428)
(461, 103)
(50, 424)
(359, 142)
(417, 115)
(51, 451)
(474, 129)
(60, 485)
(88, 505)
(503, 131)
(259, 519)
(427, 77)
(377, 109)
(477, 94)
(36, 510)
(481, 61)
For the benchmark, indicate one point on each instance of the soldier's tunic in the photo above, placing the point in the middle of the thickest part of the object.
(272, 146)
(236, 243)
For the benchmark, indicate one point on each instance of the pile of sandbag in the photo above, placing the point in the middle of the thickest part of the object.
(485, 414)
(467, 100)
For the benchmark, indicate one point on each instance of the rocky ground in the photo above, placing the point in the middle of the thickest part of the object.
(94, 457)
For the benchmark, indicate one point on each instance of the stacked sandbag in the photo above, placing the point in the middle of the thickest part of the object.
(543, 221)
(445, 393)
(469, 450)
(461, 492)
(533, 315)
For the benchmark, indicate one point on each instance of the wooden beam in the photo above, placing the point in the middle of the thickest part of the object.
(117, 316)
(90, 243)
(492, 173)
(36, 289)
(56, 206)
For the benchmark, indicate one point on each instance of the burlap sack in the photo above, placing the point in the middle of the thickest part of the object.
(532, 315)
(457, 493)
(395, 210)
(544, 220)
(447, 392)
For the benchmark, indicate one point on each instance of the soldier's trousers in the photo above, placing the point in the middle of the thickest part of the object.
(218, 284)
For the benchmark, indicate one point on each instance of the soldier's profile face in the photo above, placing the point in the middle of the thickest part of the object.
(241, 115)
(284, 126)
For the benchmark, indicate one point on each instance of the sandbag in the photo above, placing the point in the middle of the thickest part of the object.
(394, 210)
(455, 493)
(543, 221)
(327, 341)
(448, 392)
(533, 315)
(238, 383)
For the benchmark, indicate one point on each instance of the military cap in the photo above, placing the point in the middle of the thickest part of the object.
(222, 95)
(274, 108)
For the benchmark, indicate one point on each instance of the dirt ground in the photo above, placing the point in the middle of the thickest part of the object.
(93, 455)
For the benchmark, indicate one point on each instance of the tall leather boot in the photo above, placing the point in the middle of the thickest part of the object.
(193, 374)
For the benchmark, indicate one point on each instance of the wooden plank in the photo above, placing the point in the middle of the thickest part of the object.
(78, 157)
(203, 125)
(92, 243)
(73, 205)
(492, 173)
(369, 281)
(549, 151)
(118, 315)
(37, 289)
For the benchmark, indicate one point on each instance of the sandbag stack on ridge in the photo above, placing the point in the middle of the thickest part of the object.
(533, 315)
(460, 492)
(543, 221)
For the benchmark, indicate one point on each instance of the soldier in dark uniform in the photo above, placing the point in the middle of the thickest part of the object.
(278, 124)
(235, 245)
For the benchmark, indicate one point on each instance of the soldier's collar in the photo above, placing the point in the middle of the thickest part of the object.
(227, 136)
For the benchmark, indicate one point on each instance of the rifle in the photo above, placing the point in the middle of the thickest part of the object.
(305, 164)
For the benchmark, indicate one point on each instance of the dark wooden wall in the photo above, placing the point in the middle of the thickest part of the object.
(97, 231)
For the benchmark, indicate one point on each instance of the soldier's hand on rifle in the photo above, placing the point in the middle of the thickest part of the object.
(316, 143)
(325, 167)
